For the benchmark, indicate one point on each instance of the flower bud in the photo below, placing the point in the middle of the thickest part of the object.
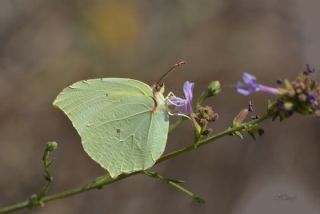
(288, 105)
(240, 117)
(52, 145)
(302, 97)
(214, 88)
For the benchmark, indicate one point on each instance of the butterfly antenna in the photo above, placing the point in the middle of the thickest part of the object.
(174, 67)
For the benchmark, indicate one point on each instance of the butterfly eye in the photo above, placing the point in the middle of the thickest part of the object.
(158, 87)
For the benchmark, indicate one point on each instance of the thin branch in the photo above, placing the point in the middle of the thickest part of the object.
(101, 181)
(161, 177)
(51, 146)
(174, 183)
(191, 194)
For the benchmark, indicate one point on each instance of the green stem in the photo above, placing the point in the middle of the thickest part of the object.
(213, 138)
(51, 146)
(161, 177)
(96, 184)
(191, 194)
(175, 183)
(105, 180)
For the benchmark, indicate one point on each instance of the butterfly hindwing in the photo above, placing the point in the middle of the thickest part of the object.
(115, 121)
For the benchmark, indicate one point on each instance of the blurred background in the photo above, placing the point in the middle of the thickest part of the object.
(47, 45)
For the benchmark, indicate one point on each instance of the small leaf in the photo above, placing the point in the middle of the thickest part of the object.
(238, 134)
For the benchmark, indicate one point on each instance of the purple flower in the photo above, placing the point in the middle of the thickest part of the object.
(308, 70)
(313, 99)
(250, 85)
(184, 106)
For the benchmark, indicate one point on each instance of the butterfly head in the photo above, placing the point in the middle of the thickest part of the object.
(158, 88)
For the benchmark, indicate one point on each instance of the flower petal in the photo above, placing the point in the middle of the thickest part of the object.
(248, 78)
(177, 101)
(244, 89)
(187, 89)
(268, 89)
(183, 106)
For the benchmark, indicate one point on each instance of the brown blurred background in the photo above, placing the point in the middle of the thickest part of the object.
(47, 45)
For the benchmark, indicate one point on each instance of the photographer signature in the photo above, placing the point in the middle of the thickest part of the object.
(285, 197)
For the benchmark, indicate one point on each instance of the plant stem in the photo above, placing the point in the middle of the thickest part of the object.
(98, 183)
(212, 138)
(176, 184)
(189, 193)
(51, 146)
(101, 181)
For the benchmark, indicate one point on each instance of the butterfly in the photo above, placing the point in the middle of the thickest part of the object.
(123, 123)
